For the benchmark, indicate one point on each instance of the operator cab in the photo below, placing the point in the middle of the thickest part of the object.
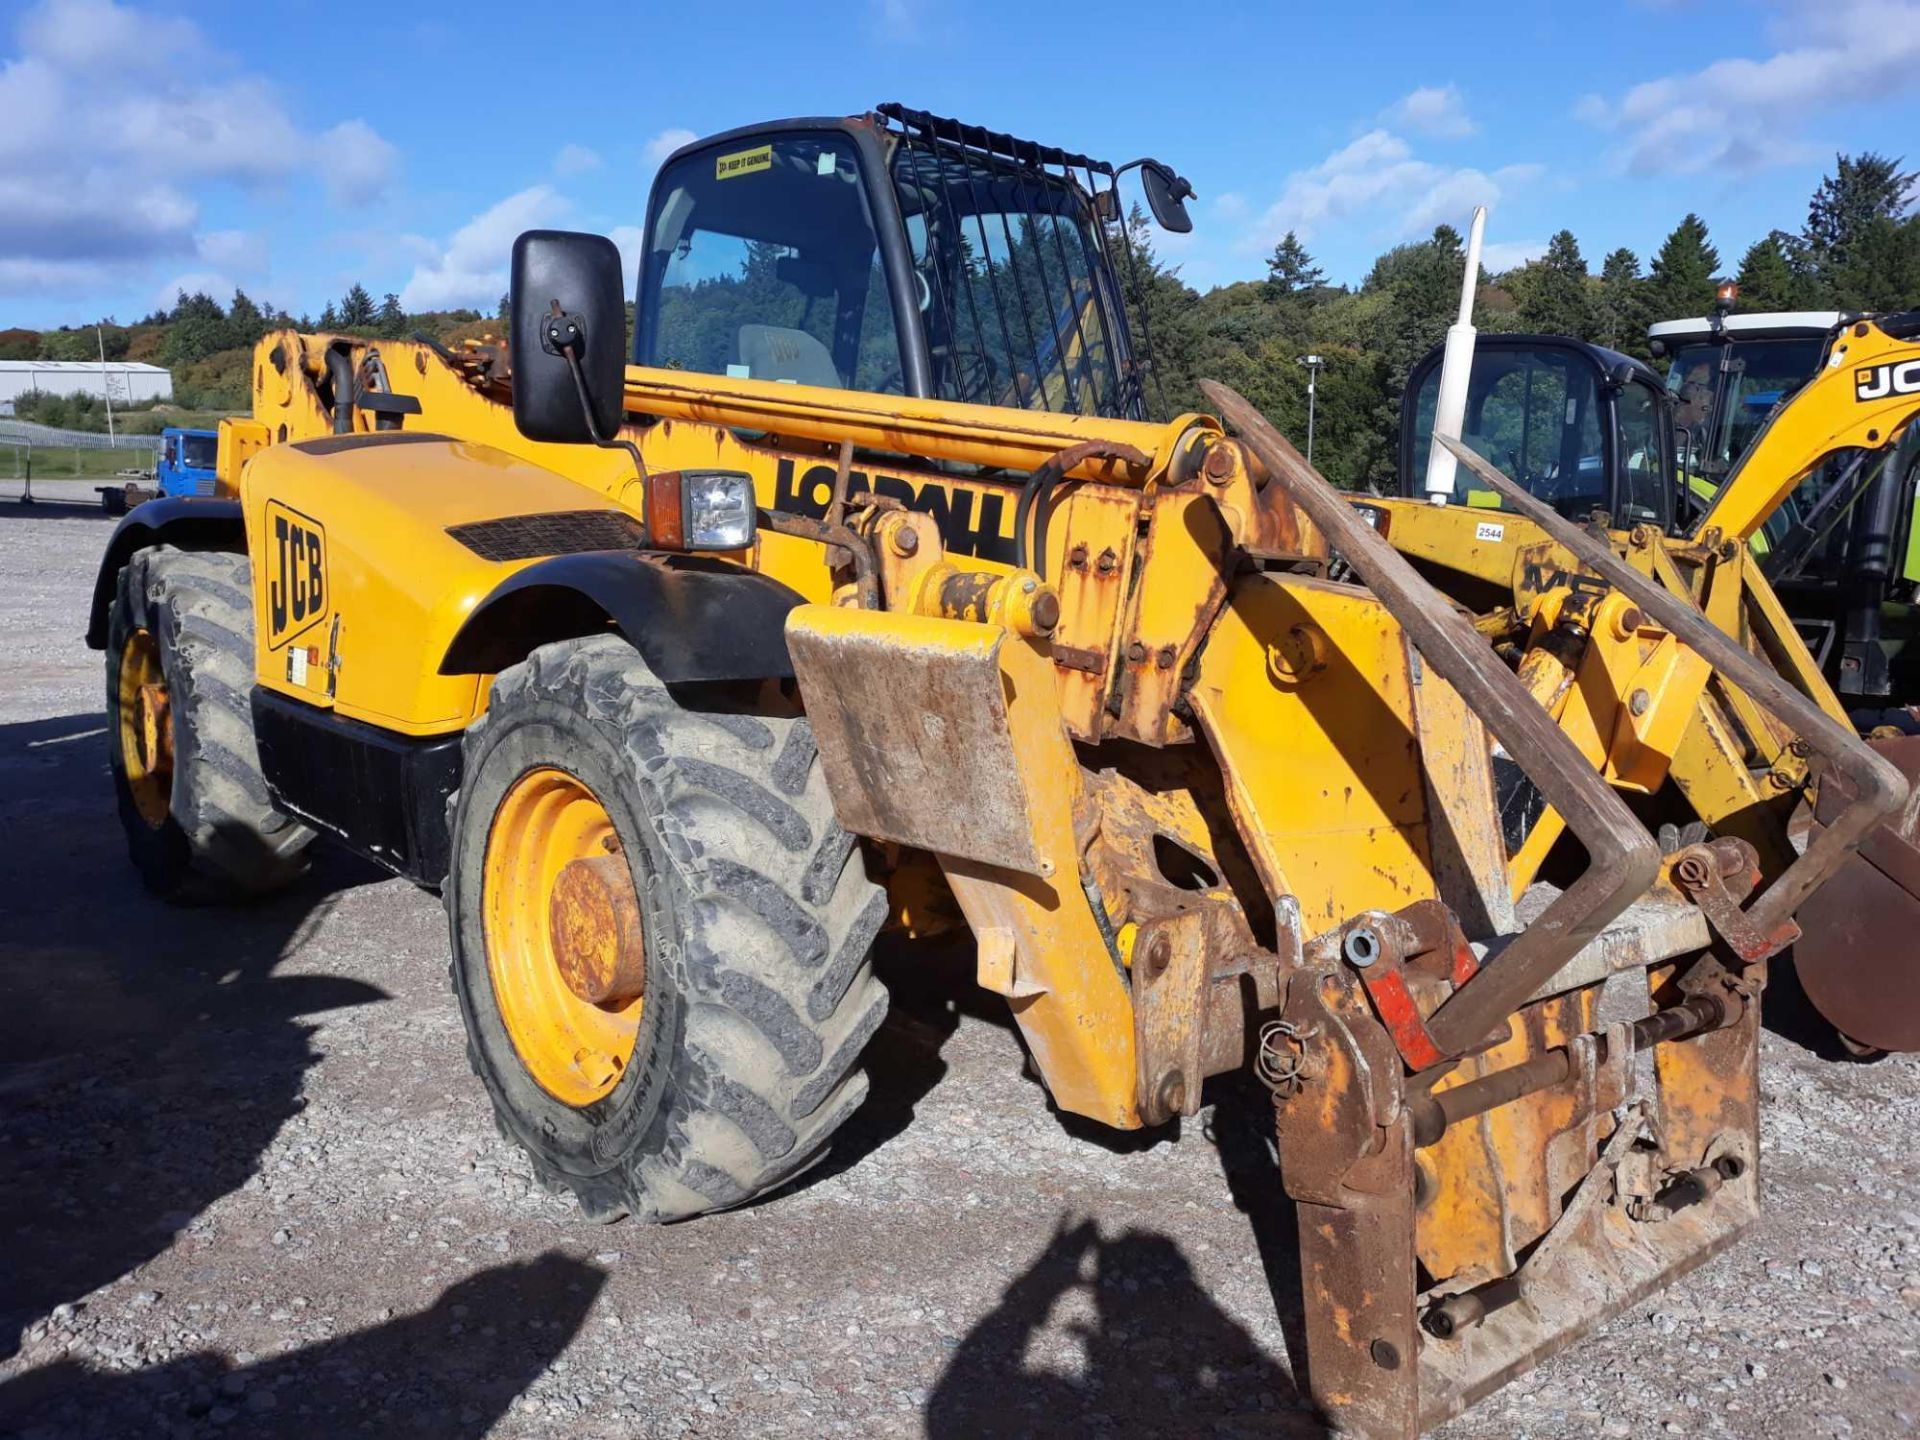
(1728, 373)
(1580, 427)
(897, 253)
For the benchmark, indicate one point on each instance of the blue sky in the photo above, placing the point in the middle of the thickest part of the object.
(292, 147)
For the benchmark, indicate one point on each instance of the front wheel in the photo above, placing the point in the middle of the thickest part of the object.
(199, 822)
(660, 935)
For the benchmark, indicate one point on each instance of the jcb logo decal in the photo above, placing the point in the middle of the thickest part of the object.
(297, 579)
(1880, 381)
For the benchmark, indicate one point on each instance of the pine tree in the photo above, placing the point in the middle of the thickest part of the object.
(1420, 287)
(1681, 283)
(1291, 272)
(506, 305)
(1863, 188)
(1159, 314)
(1766, 277)
(244, 319)
(356, 307)
(1620, 314)
(390, 319)
(329, 318)
(197, 328)
(1554, 292)
(1852, 250)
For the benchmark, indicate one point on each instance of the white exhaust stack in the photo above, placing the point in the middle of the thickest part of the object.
(1450, 409)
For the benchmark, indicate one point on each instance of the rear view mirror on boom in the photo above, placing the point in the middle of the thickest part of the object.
(568, 328)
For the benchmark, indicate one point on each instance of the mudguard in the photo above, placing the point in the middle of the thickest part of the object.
(188, 521)
(691, 618)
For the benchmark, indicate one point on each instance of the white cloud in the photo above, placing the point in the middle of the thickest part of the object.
(666, 142)
(1230, 205)
(1739, 115)
(575, 159)
(234, 251)
(1504, 255)
(471, 268)
(1379, 177)
(194, 282)
(356, 164)
(629, 238)
(112, 117)
(1436, 110)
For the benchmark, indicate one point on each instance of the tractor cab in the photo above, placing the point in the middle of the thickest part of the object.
(1841, 547)
(901, 253)
(1581, 427)
(1727, 374)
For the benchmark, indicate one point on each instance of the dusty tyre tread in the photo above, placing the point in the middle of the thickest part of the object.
(224, 838)
(773, 918)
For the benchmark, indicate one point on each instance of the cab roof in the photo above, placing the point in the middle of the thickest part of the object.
(1766, 325)
(1603, 358)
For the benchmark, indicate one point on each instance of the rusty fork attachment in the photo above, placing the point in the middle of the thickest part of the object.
(1477, 1178)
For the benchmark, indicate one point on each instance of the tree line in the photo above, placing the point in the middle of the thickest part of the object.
(1858, 249)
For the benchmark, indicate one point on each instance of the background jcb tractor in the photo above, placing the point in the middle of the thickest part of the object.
(1841, 546)
(1597, 439)
(865, 595)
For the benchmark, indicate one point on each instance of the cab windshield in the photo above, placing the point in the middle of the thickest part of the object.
(1007, 265)
(762, 263)
(1536, 415)
(1540, 415)
(198, 452)
(1718, 412)
(1722, 413)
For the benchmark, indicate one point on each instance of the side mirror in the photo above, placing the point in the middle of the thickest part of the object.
(567, 308)
(1166, 196)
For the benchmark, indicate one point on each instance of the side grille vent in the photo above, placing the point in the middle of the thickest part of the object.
(564, 532)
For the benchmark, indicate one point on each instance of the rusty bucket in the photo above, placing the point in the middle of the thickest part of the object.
(1858, 957)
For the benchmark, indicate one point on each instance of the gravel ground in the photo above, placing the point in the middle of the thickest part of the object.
(248, 1187)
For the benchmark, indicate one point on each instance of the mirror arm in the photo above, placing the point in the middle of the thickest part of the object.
(571, 353)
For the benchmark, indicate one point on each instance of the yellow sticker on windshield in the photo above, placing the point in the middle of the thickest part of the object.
(743, 162)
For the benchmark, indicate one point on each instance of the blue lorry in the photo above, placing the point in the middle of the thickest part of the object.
(184, 465)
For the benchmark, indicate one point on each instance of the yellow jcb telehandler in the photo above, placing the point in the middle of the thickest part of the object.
(862, 593)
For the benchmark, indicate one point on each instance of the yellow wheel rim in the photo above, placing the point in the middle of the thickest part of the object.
(146, 728)
(563, 939)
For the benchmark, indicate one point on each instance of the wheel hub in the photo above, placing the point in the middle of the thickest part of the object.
(156, 727)
(594, 925)
(563, 932)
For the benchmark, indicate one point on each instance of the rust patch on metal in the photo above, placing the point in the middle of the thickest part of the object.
(594, 921)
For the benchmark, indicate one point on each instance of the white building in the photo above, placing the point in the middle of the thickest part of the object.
(125, 382)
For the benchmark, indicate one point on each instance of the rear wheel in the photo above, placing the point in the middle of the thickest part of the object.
(660, 935)
(198, 820)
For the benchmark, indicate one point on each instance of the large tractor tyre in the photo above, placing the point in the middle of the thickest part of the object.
(200, 825)
(661, 936)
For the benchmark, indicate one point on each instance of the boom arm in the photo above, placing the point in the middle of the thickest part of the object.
(1864, 399)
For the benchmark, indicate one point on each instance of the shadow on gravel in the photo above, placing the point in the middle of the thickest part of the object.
(450, 1370)
(1241, 1128)
(52, 508)
(1160, 1357)
(148, 1054)
(1788, 1012)
(929, 986)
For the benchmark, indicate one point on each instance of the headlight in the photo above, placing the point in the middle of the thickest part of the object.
(700, 509)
